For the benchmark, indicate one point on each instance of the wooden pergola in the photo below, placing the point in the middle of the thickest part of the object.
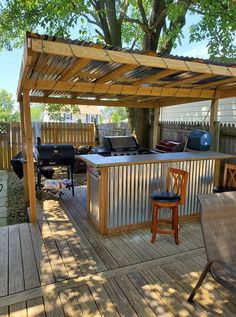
(67, 72)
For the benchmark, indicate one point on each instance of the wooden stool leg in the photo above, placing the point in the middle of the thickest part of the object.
(175, 225)
(154, 223)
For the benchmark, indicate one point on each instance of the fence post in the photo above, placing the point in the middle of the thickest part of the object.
(213, 120)
(216, 136)
(156, 127)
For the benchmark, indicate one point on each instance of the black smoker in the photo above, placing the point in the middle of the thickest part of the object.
(120, 145)
(49, 155)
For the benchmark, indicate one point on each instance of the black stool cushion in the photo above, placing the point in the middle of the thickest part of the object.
(165, 196)
(221, 189)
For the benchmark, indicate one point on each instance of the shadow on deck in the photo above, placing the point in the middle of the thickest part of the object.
(62, 267)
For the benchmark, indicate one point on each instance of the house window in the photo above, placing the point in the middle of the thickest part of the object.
(67, 116)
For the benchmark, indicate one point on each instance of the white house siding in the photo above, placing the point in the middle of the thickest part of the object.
(198, 111)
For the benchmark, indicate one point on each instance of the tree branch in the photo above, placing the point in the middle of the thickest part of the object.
(100, 34)
(123, 10)
(133, 44)
(158, 20)
(142, 12)
(136, 21)
(97, 23)
(100, 10)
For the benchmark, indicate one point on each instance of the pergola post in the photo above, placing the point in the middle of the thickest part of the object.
(214, 124)
(156, 127)
(22, 124)
(29, 156)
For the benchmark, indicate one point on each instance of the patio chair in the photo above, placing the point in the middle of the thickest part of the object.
(218, 220)
(229, 180)
(174, 196)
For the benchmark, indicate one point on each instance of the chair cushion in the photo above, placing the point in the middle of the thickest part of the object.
(165, 196)
(224, 274)
(221, 189)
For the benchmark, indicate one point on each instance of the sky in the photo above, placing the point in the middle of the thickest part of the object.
(10, 62)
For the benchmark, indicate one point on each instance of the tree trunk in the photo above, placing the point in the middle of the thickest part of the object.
(141, 120)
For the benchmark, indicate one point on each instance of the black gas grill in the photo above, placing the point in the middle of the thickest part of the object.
(49, 155)
(120, 145)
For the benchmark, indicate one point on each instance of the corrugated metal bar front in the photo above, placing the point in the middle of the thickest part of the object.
(94, 196)
(130, 188)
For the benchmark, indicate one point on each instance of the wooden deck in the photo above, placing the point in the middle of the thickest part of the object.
(62, 267)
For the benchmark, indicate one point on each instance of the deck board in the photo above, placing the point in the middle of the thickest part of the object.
(62, 266)
(30, 270)
(4, 261)
(43, 264)
(16, 275)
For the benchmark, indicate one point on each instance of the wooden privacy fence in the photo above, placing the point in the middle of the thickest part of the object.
(68, 133)
(113, 129)
(50, 132)
(173, 130)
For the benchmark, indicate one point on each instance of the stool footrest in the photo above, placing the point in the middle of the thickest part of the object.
(169, 231)
(164, 221)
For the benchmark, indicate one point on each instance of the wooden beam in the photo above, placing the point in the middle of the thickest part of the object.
(213, 119)
(177, 101)
(25, 64)
(156, 127)
(72, 50)
(116, 89)
(29, 156)
(227, 94)
(90, 102)
(25, 176)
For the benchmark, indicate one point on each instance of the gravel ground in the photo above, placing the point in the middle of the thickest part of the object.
(17, 209)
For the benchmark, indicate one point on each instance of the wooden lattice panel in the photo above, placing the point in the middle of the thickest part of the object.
(4, 128)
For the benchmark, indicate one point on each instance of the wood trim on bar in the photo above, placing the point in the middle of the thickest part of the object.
(88, 192)
(103, 199)
(217, 173)
(147, 224)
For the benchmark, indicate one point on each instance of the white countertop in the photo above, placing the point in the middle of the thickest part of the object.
(97, 160)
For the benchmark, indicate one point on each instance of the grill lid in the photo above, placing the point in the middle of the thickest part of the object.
(54, 153)
(120, 143)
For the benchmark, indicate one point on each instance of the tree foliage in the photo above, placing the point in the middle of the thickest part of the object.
(155, 24)
(113, 114)
(7, 112)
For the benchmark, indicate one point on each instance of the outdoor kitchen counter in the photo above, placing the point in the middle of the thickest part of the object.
(119, 187)
(97, 160)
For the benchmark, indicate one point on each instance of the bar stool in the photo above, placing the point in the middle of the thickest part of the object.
(229, 180)
(176, 183)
